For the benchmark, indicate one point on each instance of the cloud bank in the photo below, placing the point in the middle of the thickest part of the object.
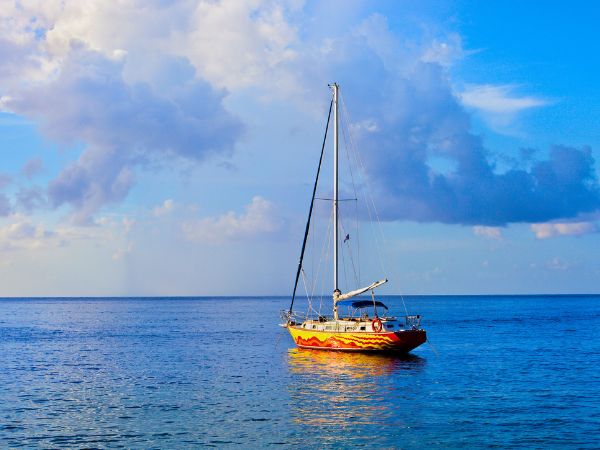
(416, 120)
(139, 83)
(90, 96)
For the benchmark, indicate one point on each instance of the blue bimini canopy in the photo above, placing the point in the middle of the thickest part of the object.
(361, 303)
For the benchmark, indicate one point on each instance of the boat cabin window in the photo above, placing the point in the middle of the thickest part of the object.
(363, 328)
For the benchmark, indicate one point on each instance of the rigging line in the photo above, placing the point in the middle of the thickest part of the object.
(433, 348)
(356, 221)
(370, 195)
(404, 304)
(382, 234)
(356, 280)
(328, 248)
(348, 147)
(310, 307)
(312, 202)
(343, 258)
(323, 256)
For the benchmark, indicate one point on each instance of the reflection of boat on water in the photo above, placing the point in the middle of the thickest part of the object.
(352, 364)
(356, 325)
(356, 387)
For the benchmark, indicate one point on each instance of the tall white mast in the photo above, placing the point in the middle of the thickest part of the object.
(336, 291)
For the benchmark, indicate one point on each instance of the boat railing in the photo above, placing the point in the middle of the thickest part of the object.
(293, 318)
(413, 322)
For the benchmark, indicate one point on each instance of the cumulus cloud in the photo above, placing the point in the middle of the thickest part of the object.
(488, 232)
(122, 125)
(32, 167)
(5, 206)
(418, 119)
(145, 83)
(5, 180)
(557, 263)
(444, 52)
(258, 219)
(241, 44)
(29, 199)
(21, 233)
(554, 229)
(93, 96)
(165, 208)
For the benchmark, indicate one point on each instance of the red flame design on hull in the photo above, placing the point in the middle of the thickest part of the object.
(401, 341)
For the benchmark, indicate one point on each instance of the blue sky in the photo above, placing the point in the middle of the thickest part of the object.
(168, 148)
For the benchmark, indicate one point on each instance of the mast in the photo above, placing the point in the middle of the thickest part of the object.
(336, 290)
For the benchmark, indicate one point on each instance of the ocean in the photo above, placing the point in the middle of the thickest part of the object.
(501, 371)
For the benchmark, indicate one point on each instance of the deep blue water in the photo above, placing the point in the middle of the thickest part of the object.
(510, 372)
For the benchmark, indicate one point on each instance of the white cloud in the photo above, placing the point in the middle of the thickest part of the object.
(128, 224)
(444, 52)
(143, 82)
(258, 219)
(239, 44)
(557, 264)
(122, 251)
(124, 92)
(21, 233)
(498, 99)
(166, 207)
(488, 232)
(498, 105)
(554, 229)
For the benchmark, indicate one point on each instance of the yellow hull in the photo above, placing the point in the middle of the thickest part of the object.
(398, 341)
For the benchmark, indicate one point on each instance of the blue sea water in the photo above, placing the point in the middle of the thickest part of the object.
(505, 372)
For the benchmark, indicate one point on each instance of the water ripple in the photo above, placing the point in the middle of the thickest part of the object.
(510, 372)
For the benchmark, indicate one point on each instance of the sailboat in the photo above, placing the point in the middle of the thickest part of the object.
(357, 323)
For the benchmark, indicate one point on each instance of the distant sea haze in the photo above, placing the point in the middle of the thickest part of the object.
(501, 371)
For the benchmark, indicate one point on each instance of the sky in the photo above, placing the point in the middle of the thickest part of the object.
(152, 148)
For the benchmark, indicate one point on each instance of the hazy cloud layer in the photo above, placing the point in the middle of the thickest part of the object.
(258, 219)
(550, 230)
(5, 206)
(488, 232)
(32, 168)
(29, 199)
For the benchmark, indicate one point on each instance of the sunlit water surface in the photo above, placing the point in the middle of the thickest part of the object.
(200, 372)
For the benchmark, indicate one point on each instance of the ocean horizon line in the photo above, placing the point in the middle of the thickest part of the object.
(274, 296)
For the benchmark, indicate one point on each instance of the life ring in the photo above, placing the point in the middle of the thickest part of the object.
(377, 325)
